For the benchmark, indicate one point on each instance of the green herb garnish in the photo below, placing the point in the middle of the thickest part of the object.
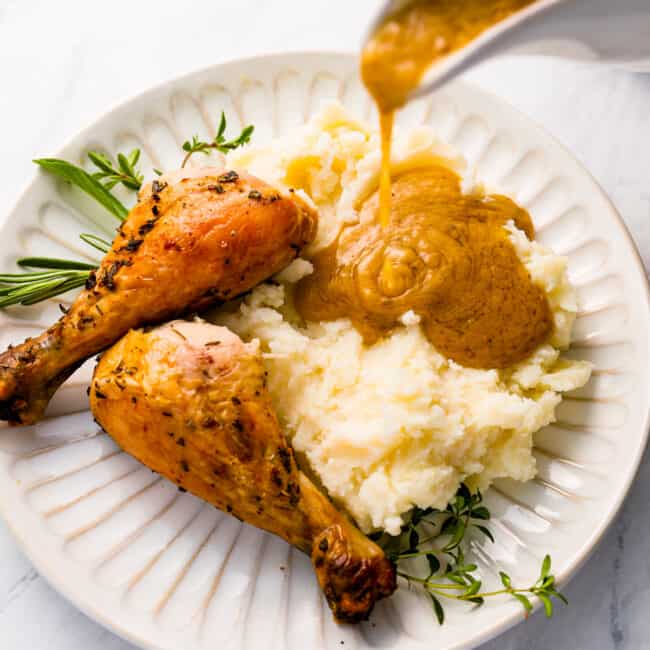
(58, 276)
(125, 173)
(100, 244)
(438, 536)
(219, 142)
(48, 263)
(32, 287)
(85, 182)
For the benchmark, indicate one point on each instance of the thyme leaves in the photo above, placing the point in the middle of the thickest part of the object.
(218, 143)
(438, 537)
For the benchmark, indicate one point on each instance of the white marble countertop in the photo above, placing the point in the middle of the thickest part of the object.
(63, 63)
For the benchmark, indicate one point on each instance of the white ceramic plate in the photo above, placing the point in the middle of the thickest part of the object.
(168, 572)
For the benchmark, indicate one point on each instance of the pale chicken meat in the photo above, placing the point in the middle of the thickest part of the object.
(189, 400)
(195, 237)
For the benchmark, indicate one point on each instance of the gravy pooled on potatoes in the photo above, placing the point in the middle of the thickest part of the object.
(444, 255)
(421, 244)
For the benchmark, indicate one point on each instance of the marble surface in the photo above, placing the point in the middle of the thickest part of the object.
(63, 63)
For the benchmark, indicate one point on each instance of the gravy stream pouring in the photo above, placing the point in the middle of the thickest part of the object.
(421, 245)
(400, 52)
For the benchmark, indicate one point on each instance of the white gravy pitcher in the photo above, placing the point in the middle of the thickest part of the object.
(616, 32)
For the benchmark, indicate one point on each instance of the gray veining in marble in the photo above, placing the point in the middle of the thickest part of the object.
(63, 63)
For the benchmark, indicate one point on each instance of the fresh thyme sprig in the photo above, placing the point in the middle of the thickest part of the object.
(438, 536)
(56, 276)
(464, 586)
(126, 172)
(219, 142)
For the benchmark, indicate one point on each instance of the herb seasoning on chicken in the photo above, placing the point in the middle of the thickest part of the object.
(182, 248)
(196, 409)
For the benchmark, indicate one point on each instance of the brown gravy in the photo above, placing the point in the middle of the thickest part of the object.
(421, 244)
(399, 53)
(447, 257)
(397, 56)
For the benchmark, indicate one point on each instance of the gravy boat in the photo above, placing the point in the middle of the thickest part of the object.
(616, 32)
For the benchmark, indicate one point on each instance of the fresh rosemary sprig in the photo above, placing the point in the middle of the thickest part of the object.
(34, 286)
(96, 242)
(219, 142)
(126, 172)
(85, 182)
(49, 263)
(437, 536)
(57, 276)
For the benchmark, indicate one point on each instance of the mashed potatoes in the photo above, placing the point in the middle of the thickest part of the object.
(393, 425)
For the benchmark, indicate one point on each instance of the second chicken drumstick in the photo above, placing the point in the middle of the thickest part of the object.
(189, 400)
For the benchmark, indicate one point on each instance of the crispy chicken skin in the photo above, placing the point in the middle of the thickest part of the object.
(195, 237)
(189, 400)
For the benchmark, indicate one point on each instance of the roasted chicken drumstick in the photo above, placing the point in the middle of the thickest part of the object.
(189, 400)
(195, 237)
